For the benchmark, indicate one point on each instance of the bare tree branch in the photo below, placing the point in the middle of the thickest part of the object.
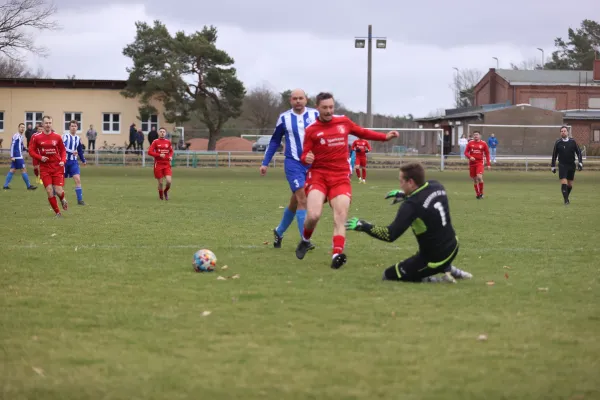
(10, 68)
(261, 107)
(463, 85)
(18, 18)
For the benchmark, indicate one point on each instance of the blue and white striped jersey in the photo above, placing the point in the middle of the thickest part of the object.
(73, 146)
(291, 126)
(16, 146)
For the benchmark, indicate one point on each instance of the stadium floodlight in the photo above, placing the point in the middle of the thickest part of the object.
(381, 43)
(359, 43)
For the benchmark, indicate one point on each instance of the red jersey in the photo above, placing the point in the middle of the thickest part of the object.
(477, 149)
(362, 147)
(329, 143)
(158, 147)
(48, 145)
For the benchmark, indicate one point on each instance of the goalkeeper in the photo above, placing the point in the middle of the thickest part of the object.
(426, 210)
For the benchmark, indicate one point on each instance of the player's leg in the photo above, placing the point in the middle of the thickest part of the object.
(78, 189)
(58, 183)
(9, 177)
(46, 179)
(25, 177)
(158, 175)
(168, 180)
(570, 179)
(473, 175)
(314, 208)
(295, 175)
(480, 183)
(563, 172)
(340, 204)
(364, 170)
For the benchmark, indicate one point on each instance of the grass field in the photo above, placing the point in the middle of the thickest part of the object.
(103, 303)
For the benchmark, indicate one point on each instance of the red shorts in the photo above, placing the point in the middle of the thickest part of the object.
(160, 171)
(475, 169)
(361, 162)
(53, 176)
(331, 185)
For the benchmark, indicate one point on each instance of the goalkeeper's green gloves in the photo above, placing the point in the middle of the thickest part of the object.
(355, 224)
(397, 195)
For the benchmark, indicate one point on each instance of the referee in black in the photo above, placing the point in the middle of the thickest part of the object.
(565, 149)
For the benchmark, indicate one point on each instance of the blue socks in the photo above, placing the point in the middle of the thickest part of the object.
(286, 221)
(79, 193)
(8, 179)
(26, 179)
(300, 217)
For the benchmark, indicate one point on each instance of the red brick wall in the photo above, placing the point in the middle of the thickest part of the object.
(582, 131)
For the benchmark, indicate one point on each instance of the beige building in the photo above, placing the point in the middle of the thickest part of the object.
(91, 102)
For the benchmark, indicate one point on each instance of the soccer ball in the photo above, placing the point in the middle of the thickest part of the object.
(204, 261)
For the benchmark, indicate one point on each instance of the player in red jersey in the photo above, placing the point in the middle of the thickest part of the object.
(326, 150)
(361, 147)
(162, 151)
(36, 164)
(48, 148)
(475, 151)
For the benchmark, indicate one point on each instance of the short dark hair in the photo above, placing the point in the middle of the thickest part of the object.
(564, 126)
(74, 122)
(474, 132)
(323, 96)
(164, 129)
(20, 125)
(414, 171)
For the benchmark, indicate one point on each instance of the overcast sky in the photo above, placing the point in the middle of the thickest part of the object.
(311, 45)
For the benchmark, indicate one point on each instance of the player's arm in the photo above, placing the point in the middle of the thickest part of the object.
(152, 150)
(32, 148)
(468, 150)
(365, 133)
(307, 146)
(368, 146)
(404, 218)
(275, 142)
(14, 149)
(554, 155)
(578, 153)
(487, 155)
(171, 152)
(62, 151)
(80, 153)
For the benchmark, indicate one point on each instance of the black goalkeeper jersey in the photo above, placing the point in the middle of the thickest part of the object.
(427, 212)
(566, 150)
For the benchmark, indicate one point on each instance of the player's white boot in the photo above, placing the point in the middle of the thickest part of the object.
(459, 273)
(445, 278)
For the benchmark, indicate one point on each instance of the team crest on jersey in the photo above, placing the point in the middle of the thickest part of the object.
(309, 121)
(322, 141)
(54, 143)
(341, 129)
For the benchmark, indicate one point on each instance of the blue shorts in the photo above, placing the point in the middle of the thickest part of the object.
(19, 163)
(71, 168)
(295, 172)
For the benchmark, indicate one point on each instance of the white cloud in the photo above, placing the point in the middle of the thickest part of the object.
(406, 78)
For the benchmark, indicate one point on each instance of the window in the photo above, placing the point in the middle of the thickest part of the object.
(149, 123)
(33, 118)
(73, 116)
(1, 121)
(596, 135)
(594, 102)
(111, 123)
(548, 103)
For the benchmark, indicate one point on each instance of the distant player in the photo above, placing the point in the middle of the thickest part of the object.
(361, 147)
(291, 125)
(49, 149)
(162, 151)
(425, 209)
(16, 159)
(36, 164)
(326, 150)
(475, 152)
(351, 159)
(566, 149)
(74, 149)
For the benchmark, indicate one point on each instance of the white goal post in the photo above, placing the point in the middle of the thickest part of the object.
(538, 144)
(406, 132)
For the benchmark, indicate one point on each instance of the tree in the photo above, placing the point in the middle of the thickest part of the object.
(529, 64)
(262, 107)
(187, 73)
(10, 68)
(464, 87)
(18, 20)
(579, 52)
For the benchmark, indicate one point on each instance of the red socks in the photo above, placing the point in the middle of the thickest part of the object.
(338, 244)
(476, 186)
(61, 196)
(167, 188)
(307, 233)
(36, 172)
(54, 204)
(160, 193)
(364, 171)
(480, 187)
(358, 173)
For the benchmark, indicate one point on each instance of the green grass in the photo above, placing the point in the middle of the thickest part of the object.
(103, 303)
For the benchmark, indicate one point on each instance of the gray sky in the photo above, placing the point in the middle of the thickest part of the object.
(284, 45)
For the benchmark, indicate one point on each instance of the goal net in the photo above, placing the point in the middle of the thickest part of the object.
(516, 141)
(413, 144)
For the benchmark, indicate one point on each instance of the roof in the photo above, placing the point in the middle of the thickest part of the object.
(62, 83)
(582, 114)
(547, 77)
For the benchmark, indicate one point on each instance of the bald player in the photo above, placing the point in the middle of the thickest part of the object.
(291, 125)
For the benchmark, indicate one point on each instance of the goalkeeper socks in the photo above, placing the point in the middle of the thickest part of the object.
(364, 174)
(300, 217)
(338, 244)
(26, 179)
(480, 187)
(8, 179)
(160, 193)
(79, 193)
(286, 221)
(565, 191)
(54, 204)
(306, 234)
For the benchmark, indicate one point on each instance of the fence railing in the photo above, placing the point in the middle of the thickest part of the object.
(230, 159)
